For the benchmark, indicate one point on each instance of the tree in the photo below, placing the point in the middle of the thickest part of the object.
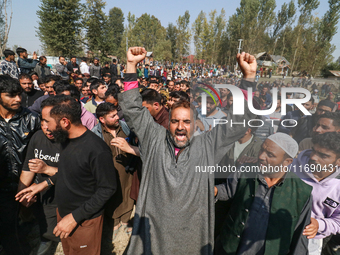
(95, 22)
(59, 27)
(183, 36)
(305, 7)
(115, 26)
(5, 24)
(325, 30)
(284, 17)
(171, 35)
(197, 29)
(129, 38)
(147, 32)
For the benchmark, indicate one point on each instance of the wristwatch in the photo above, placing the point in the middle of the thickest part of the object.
(49, 183)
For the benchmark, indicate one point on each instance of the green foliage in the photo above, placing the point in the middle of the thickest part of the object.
(59, 27)
(183, 36)
(95, 22)
(148, 32)
(171, 35)
(115, 26)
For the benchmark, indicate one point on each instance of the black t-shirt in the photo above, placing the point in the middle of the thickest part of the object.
(86, 177)
(40, 147)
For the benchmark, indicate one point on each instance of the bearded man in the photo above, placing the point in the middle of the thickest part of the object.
(175, 207)
(86, 177)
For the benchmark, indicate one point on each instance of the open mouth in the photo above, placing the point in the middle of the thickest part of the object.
(49, 135)
(261, 164)
(181, 136)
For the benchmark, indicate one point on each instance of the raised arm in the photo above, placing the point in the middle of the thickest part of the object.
(136, 116)
(28, 63)
(222, 137)
(60, 68)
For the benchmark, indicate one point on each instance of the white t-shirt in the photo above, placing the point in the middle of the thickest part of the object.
(240, 147)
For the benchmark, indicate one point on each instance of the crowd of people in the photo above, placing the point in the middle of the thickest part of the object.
(81, 146)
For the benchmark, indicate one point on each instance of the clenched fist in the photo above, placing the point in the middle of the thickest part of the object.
(134, 56)
(247, 64)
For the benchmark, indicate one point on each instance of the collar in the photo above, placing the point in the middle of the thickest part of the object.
(260, 177)
(107, 132)
(160, 113)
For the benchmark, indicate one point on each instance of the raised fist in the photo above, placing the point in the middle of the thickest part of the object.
(247, 64)
(135, 55)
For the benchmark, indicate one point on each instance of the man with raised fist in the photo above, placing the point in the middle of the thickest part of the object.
(175, 208)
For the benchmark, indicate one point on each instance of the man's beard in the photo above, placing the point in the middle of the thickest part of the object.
(210, 110)
(60, 135)
(112, 126)
(175, 142)
(8, 107)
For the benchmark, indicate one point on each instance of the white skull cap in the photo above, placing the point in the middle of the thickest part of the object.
(286, 143)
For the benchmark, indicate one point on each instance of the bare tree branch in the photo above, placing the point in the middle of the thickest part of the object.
(6, 26)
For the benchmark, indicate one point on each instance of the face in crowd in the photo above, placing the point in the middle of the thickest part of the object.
(100, 91)
(11, 102)
(45, 120)
(49, 88)
(323, 158)
(26, 84)
(110, 120)
(181, 126)
(272, 155)
(211, 106)
(324, 125)
(78, 84)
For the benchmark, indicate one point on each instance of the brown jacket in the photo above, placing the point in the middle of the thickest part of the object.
(162, 118)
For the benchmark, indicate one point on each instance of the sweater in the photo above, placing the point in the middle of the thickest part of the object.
(326, 196)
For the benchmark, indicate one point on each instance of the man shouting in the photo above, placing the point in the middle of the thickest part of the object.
(175, 208)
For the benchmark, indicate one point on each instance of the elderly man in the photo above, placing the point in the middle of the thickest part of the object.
(175, 207)
(270, 210)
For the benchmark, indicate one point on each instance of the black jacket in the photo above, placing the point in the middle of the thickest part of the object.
(28, 99)
(113, 69)
(14, 137)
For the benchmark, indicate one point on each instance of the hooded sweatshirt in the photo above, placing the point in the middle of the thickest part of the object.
(84, 68)
(326, 196)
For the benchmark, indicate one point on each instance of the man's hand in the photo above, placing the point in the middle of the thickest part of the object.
(247, 64)
(28, 196)
(65, 226)
(122, 144)
(39, 166)
(134, 56)
(35, 55)
(312, 229)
